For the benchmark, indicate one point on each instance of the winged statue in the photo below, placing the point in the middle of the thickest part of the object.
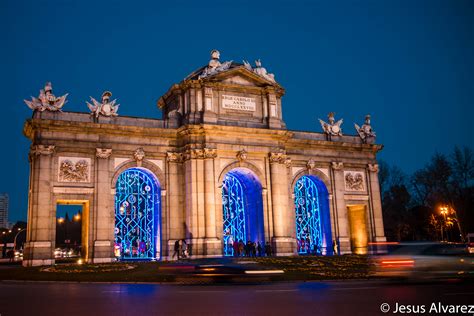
(332, 128)
(365, 132)
(105, 107)
(47, 100)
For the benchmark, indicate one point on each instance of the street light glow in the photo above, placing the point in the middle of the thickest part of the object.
(60, 220)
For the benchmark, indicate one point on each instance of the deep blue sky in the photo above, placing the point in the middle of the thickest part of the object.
(410, 64)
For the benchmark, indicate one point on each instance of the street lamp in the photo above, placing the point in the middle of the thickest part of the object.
(77, 217)
(14, 240)
(443, 211)
(60, 220)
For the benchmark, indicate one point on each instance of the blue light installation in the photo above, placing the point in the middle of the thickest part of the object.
(242, 209)
(313, 229)
(137, 215)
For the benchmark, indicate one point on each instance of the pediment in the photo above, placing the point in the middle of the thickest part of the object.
(241, 76)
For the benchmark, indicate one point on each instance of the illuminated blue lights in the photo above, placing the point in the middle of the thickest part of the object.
(241, 209)
(137, 215)
(313, 229)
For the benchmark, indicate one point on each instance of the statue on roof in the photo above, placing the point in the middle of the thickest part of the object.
(47, 100)
(259, 70)
(215, 66)
(332, 128)
(105, 107)
(365, 132)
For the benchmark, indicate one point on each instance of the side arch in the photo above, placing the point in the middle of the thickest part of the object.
(154, 169)
(313, 172)
(244, 164)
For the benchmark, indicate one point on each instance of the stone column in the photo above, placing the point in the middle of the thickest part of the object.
(41, 220)
(212, 244)
(283, 243)
(103, 212)
(341, 210)
(376, 202)
(175, 193)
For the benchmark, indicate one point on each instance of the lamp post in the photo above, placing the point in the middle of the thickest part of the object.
(14, 240)
(444, 211)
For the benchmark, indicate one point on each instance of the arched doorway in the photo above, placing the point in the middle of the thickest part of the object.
(242, 209)
(313, 226)
(137, 215)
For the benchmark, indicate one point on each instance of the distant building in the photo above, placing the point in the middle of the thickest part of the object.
(4, 210)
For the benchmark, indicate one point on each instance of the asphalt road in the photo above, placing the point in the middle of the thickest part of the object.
(304, 298)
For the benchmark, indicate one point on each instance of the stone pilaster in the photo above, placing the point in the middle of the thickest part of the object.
(212, 245)
(175, 193)
(341, 210)
(103, 211)
(41, 220)
(375, 197)
(283, 242)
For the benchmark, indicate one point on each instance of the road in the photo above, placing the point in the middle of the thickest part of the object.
(304, 298)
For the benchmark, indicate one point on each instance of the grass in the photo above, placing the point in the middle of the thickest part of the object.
(296, 268)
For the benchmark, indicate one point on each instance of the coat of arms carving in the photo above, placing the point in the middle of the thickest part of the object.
(74, 169)
(354, 181)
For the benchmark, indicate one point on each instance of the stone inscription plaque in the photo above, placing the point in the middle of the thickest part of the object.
(233, 102)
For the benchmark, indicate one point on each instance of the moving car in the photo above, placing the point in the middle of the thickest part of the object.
(426, 260)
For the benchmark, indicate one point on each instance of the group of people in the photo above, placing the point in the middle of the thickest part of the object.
(181, 249)
(251, 249)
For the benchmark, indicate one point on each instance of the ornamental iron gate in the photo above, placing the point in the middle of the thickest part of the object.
(137, 215)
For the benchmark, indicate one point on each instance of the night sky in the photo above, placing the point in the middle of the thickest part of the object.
(410, 64)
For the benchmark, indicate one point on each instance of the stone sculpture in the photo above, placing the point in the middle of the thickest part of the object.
(47, 100)
(332, 128)
(215, 65)
(74, 172)
(105, 107)
(259, 70)
(365, 132)
(354, 181)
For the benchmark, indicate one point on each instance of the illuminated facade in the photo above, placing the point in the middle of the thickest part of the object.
(219, 167)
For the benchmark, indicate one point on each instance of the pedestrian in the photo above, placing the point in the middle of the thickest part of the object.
(268, 249)
(235, 246)
(334, 245)
(184, 248)
(11, 255)
(241, 248)
(4, 250)
(253, 249)
(176, 249)
(259, 249)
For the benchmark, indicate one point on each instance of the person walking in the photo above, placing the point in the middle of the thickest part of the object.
(259, 249)
(176, 249)
(184, 248)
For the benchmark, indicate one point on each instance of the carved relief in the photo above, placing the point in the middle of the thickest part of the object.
(200, 153)
(72, 169)
(242, 155)
(310, 164)
(280, 157)
(354, 181)
(139, 154)
(337, 165)
(103, 153)
(373, 167)
(42, 150)
(174, 157)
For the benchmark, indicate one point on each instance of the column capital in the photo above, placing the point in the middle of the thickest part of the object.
(42, 150)
(174, 157)
(373, 167)
(337, 165)
(103, 153)
(198, 153)
(279, 157)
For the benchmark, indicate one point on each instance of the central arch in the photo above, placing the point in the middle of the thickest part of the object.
(313, 226)
(242, 209)
(137, 215)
